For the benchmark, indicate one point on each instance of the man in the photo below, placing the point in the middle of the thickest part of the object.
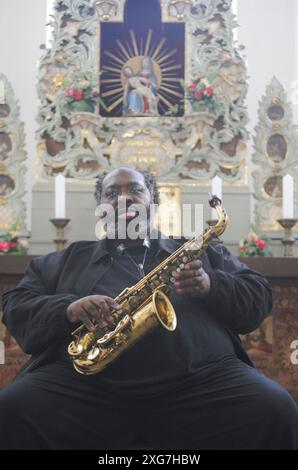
(193, 388)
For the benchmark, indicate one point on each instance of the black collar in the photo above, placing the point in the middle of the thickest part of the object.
(168, 245)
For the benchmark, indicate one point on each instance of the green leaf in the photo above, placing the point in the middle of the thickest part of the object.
(82, 105)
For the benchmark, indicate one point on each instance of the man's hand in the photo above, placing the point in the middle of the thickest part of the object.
(192, 280)
(92, 307)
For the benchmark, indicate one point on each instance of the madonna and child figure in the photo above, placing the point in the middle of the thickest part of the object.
(140, 90)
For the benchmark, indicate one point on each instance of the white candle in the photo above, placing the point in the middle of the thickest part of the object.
(60, 197)
(216, 190)
(2, 93)
(216, 186)
(288, 197)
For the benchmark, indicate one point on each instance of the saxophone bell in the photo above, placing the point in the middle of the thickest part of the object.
(158, 309)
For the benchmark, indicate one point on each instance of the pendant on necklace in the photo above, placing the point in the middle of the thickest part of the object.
(141, 269)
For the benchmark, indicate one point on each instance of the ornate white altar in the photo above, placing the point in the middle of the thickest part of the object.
(12, 158)
(172, 86)
(276, 149)
(170, 139)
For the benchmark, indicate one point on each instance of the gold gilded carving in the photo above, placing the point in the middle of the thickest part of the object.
(275, 154)
(144, 82)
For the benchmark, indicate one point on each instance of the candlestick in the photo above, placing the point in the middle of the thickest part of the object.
(60, 225)
(288, 197)
(60, 197)
(288, 240)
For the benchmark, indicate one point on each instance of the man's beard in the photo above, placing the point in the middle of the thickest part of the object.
(132, 230)
(131, 223)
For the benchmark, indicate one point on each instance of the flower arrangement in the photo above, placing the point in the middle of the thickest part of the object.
(81, 95)
(202, 96)
(11, 244)
(254, 245)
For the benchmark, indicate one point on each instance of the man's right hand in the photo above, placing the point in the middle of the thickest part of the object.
(92, 308)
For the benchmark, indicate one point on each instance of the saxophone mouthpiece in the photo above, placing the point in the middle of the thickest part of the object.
(214, 201)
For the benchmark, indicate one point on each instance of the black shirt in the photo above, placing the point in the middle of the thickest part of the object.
(162, 356)
(35, 313)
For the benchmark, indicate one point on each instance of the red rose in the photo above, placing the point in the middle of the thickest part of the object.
(78, 95)
(198, 95)
(261, 244)
(70, 91)
(192, 87)
(13, 245)
(4, 246)
(208, 91)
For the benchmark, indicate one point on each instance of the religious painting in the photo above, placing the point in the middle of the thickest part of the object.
(4, 110)
(5, 145)
(275, 112)
(7, 185)
(142, 63)
(277, 147)
(273, 186)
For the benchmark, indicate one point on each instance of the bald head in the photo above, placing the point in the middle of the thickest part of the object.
(122, 171)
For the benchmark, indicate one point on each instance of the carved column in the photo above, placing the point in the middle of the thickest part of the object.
(12, 158)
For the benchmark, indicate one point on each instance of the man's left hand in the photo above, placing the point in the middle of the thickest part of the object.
(192, 280)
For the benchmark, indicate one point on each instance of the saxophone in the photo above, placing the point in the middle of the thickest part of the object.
(143, 306)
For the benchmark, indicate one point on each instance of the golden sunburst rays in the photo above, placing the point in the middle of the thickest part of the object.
(134, 42)
(130, 53)
(122, 49)
(148, 42)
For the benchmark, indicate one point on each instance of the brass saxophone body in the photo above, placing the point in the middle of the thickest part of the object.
(143, 306)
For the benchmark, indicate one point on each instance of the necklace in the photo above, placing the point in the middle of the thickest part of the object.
(140, 266)
(122, 249)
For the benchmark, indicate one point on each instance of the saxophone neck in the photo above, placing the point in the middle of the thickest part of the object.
(219, 227)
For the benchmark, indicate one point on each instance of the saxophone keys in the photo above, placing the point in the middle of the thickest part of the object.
(164, 277)
(181, 266)
(75, 349)
(93, 354)
(184, 259)
(120, 339)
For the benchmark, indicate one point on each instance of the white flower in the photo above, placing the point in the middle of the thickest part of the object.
(205, 82)
(24, 244)
(252, 237)
(14, 234)
(84, 84)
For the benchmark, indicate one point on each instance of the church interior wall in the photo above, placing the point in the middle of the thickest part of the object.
(270, 50)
